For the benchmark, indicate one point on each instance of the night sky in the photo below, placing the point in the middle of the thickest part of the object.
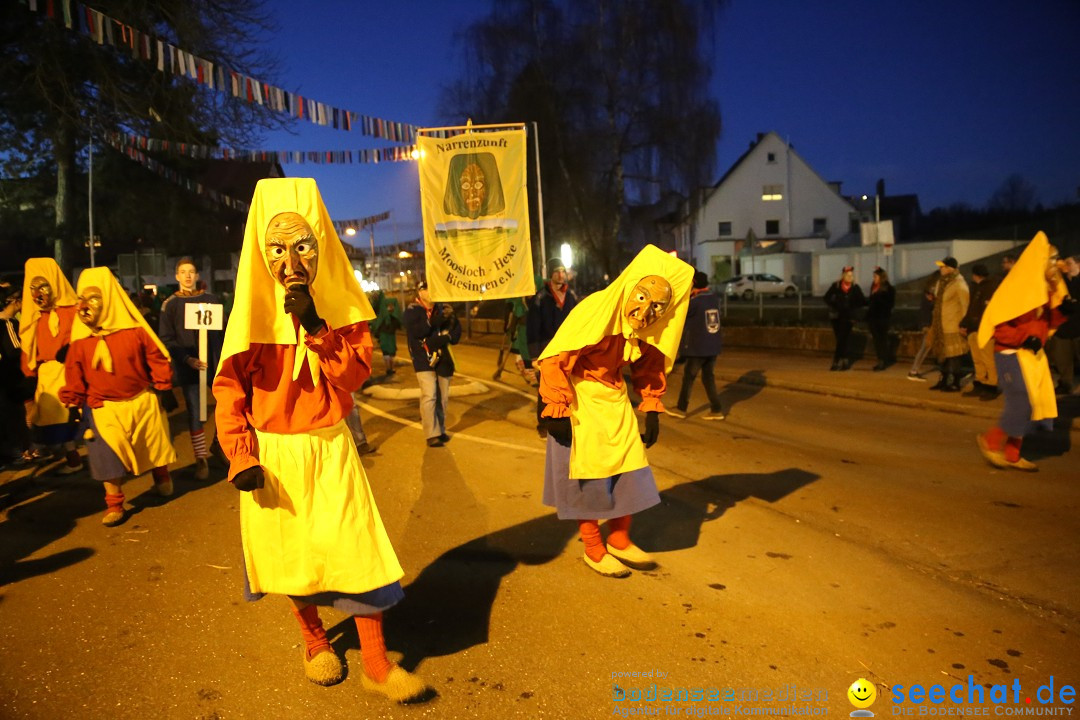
(941, 99)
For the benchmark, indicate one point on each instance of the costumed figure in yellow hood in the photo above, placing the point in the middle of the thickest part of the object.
(1027, 307)
(596, 466)
(48, 313)
(119, 373)
(296, 348)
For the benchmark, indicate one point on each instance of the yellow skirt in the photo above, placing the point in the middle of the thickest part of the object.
(606, 437)
(48, 410)
(314, 526)
(1039, 383)
(137, 430)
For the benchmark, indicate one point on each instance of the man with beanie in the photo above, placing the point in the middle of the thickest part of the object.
(701, 343)
(547, 311)
(950, 306)
(431, 328)
(983, 287)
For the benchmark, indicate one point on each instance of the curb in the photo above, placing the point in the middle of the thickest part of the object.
(991, 413)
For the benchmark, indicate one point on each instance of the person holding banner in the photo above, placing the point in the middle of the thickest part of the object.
(183, 345)
(45, 330)
(596, 466)
(118, 372)
(1028, 305)
(296, 347)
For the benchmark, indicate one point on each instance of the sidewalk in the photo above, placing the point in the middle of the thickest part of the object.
(805, 372)
(810, 373)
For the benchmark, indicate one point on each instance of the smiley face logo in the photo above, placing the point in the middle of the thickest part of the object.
(862, 693)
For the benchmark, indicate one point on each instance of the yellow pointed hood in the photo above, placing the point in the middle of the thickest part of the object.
(600, 315)
(1022, 290)
(117, 313)
(258, 315)
(31, 313)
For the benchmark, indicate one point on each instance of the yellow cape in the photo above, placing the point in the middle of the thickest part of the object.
(31, 313)
(257, 314)
(1022, 290)
(600, 315)
(117, 313)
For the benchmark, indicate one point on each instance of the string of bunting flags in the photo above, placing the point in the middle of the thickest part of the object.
(172, 60)
(401, 153)
(360, 223)
(171, 175)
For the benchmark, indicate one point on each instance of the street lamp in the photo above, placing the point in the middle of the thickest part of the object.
(566, 255)
(350, 231)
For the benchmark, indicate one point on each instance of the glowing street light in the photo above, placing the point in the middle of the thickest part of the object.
(566, 255)
(350, 231)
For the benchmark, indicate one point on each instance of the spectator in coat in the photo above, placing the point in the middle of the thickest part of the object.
(701, 343)
(879, 316)
(844, 297)
(1063, 348)
(950, 307)
(982, 289)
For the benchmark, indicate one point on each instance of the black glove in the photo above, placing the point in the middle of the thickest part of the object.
(1067, 306)
(61, 354)
(560, 430)
(298, 301)
(652, 429)
(250, 479)
(167, 399)
(1033, 344)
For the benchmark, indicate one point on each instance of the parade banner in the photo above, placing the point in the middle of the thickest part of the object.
(476, 215)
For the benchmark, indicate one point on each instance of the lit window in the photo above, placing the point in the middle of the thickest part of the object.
(724, 229)
(772, 227)
(772, 192)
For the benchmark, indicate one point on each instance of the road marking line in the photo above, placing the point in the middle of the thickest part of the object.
(510, 388)
(464, 436)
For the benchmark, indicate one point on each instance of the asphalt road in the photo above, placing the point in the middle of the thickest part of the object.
(806, 541)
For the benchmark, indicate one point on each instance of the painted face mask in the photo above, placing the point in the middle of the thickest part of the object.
(473, 187)
(648, 302)
(42, 293)
(90, 307)
(292, 252)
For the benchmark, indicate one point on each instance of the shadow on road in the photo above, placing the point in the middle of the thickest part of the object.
(1042, 444)
(447, 608)
(749, 384)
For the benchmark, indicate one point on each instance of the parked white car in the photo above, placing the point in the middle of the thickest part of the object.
(744, 286)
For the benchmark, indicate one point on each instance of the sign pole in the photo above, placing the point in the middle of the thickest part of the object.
(202, 374)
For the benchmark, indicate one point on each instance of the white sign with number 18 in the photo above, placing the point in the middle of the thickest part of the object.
(204, 316)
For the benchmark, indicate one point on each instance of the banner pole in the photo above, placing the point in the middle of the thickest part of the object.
(539, 202)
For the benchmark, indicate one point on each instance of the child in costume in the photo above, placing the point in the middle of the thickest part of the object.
(296, 347)
(1027, 307)
(119, 373)
(386, 325)
(48, 312)
(596, 465)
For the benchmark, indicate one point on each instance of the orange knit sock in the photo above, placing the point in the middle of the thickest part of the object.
(373, 646)
(590, 535)
(311, 628)
(619, 532)
(1012, 448)
(995, 438)
(114, 503)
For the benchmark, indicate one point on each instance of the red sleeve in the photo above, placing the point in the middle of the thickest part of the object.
(160, 367)
(232, 390)
(555, 388)
(73, 394)
(649, 378)
(344, 355)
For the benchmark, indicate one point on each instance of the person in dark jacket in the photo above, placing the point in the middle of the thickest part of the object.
(431, 328)
(879, 307)
(701, 343)
(183, 346)
(844, 297)
(1063, 348)
(546, 313)
(982, 289)
(15, 388)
